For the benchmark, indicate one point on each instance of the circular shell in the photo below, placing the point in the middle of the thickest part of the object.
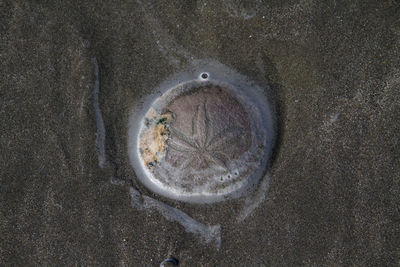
(203, 137)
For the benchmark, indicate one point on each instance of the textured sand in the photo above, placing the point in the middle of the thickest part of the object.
(333, 192)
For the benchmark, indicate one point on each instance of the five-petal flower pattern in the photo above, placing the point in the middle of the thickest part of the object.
(204, 147)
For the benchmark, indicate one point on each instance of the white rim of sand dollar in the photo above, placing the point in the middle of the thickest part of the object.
(152, 137)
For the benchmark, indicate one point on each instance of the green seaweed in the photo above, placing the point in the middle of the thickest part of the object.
(162, 121)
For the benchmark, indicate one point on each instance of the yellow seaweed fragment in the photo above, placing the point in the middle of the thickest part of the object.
(154, 139)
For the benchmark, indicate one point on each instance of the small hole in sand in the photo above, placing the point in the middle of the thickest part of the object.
(204, 75)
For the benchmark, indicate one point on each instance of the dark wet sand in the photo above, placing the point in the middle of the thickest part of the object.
(334, 75)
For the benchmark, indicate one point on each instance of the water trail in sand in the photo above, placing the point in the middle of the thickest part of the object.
(207, 234)
(101, 132)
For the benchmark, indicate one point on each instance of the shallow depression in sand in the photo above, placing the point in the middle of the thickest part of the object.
(205, 138)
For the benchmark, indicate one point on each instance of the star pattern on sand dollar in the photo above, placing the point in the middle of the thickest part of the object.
(203, 148)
